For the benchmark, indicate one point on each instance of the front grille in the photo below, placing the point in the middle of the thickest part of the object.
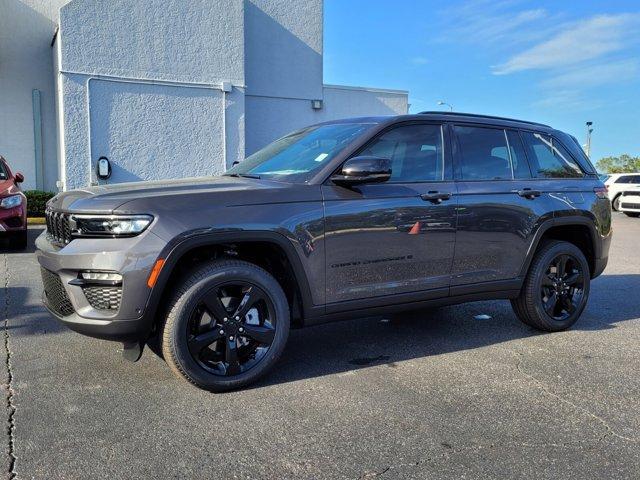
(103, 298)
(58, 227)
(56, 295)
(635, 206)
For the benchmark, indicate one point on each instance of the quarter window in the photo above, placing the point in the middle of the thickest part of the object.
(415, 151)
(484, 153)
(518, 157)
(624, 179)
(549, 158)
(628, 179)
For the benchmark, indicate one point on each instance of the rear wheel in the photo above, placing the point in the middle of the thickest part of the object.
(556, 288)
(615, 204)
(227, 325)
(632, 214)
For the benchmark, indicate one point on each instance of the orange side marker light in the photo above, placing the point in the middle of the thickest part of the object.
(155, 273)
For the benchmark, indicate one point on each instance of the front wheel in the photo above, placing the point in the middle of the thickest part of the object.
(556, 288)
(227, 325)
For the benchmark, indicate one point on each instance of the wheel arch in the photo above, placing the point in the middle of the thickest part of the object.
(578, 230)
(180, 253)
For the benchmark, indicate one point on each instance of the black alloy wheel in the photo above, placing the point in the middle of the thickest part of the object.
(555, 290)
(232, 328)
(227, 325)
(562, 287)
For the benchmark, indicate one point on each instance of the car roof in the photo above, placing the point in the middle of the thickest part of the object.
(449, 117)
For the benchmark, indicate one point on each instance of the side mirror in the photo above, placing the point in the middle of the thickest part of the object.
(19, 178)
(364, 169)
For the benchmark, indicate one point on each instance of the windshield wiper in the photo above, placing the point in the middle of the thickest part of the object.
(244, 175)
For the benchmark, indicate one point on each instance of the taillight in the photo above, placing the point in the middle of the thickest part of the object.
(601, 192)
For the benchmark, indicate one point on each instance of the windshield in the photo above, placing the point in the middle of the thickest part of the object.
(295, 157)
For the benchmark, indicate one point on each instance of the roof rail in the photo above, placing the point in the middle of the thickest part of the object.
(476, 115)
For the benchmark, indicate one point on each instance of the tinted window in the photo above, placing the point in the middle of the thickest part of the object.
(484, 153)
(518, 157)
(628, 179)
(3, 172)
(549, 159)
(415, 152)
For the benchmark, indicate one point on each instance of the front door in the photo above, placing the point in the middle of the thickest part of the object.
(398, 236)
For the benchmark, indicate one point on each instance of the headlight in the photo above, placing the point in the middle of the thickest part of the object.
(109, 225)
(11, 202)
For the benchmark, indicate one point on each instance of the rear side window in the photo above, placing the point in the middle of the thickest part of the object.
(3, 172)
(549, 159)
(415, 152)
(484, 153)
(628, 179)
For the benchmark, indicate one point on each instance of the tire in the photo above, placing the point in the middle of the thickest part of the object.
(615, 203)
(18, 241)
(217, 366)
(542, 285)
(632, 214)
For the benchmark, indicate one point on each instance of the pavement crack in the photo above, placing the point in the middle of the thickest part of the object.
(545, 388)
(8, 385)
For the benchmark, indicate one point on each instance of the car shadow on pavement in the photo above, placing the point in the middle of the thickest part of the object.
(344, 346)
(27, 316)
(32, 234)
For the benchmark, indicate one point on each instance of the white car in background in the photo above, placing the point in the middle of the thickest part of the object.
(620, 182)
(629, 202)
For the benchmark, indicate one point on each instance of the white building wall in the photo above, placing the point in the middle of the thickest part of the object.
(270, 118)
(139, 82)
(141, 85)
(283, 42)
(26, 30)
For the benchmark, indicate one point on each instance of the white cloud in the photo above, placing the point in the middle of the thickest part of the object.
(419, 60)
(579, 42)
(569, 99)
(568, 58)
(493, 22)
(594, 75)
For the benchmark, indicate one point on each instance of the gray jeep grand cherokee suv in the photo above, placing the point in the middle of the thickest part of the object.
(348, 218)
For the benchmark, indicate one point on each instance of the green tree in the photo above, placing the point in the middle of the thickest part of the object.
(623, 164)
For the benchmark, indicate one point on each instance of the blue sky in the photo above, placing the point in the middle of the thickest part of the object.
(555, 62)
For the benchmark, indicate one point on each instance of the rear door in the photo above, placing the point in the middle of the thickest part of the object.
(499, 206)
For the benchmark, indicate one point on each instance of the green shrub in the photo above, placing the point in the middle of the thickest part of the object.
(37, 201)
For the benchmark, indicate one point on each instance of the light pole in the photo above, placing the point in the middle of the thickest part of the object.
(589, 132)
(440, 102)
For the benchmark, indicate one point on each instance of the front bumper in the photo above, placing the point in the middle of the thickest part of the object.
(72, 303)
(13, 219)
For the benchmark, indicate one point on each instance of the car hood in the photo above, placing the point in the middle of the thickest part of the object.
(226, 190)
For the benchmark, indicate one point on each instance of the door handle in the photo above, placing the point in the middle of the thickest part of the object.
(435, 197)
(528, 193)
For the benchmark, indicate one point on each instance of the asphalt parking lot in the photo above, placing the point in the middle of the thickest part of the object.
(430, 394)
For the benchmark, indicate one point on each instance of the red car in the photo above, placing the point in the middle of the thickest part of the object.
(13, 207)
